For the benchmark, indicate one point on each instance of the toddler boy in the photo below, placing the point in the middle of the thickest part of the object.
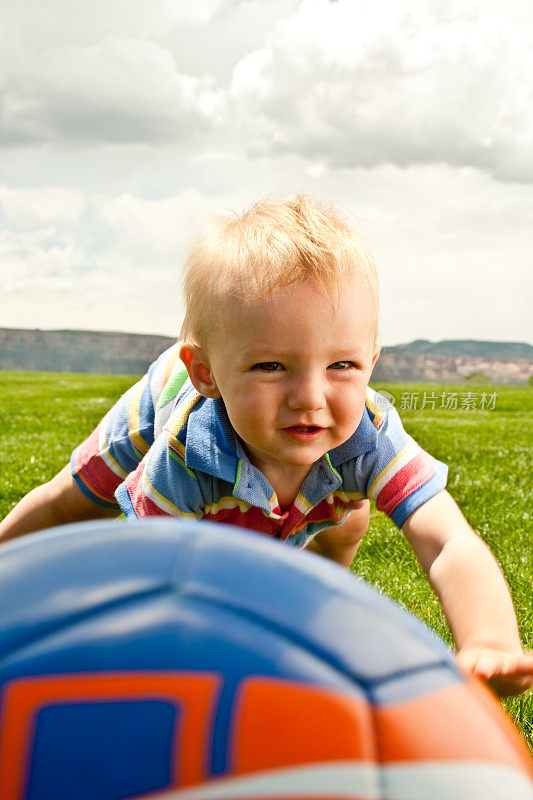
(262, 417)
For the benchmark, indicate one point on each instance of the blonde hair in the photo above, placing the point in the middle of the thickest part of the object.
(275, 244)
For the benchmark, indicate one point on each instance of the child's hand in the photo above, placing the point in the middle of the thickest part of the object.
(507, 673)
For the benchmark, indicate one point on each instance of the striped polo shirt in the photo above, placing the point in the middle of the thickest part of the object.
(166, 450)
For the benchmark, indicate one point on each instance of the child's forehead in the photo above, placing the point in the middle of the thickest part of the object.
(303, 299)
(299, 310)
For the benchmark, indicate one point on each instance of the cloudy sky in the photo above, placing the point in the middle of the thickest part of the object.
(125, 124)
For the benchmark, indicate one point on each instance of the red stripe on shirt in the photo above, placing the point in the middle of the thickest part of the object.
(92, 470)
(144, 507)
(253, 519)
(406, 481)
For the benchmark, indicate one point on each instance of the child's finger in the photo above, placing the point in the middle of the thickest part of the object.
(522, 668)
(506, 674)
(489, 665)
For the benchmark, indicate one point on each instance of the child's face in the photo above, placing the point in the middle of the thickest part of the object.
(292, 371)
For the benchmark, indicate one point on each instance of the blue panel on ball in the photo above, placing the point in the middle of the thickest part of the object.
(97, 746)
(161, 633)
(125, 605)
(51, 580)
(166, 633)
(325, 609)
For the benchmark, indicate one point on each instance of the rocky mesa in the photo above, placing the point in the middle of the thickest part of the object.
(448, 361)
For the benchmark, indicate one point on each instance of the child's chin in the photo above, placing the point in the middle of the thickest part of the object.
(304, 459)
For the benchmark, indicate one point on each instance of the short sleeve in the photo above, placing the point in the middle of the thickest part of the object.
(124, 435)
(162, 484)
(398, 474)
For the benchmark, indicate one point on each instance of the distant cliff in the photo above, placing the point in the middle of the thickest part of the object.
(397, 364)
(468, 347)
(79, 351)
(449, 361)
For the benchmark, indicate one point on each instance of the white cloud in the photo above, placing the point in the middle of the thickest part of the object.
(41, 265)
(452, 246)
(35, 207)
(124, 123)
(50, 280)
(448, 82)
(341, 84)
(154, 232)
(59, 21)
(119, 90)
(453, 250)
(239, 27)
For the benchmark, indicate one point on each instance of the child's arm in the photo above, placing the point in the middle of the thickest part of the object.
(54, 503)
(473, 594)
(104, 459)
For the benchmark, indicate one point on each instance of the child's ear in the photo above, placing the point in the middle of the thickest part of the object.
(197, 365)
(377, 352)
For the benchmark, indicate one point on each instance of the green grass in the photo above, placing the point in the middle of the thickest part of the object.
(44, 415)
(489, 454)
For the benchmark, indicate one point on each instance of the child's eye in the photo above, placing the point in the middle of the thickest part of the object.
(268, 366)
(341, 365)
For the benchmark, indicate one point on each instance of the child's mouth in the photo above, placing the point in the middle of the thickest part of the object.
(304, 433)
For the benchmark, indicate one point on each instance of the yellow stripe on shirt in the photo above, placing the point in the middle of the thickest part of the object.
(134, 414)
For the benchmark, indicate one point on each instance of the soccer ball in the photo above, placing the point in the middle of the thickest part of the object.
(193, 661)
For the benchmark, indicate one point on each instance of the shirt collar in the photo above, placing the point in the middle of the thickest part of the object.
(210, 444)
(213, 447)
(362, 441)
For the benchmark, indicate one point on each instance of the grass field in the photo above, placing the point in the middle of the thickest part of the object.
(486, 440)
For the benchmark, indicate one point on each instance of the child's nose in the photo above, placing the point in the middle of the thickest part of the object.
(306, 393)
